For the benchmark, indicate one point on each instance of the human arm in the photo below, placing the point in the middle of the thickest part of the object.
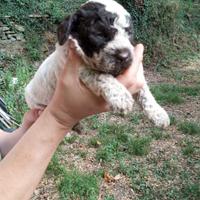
(23, 167)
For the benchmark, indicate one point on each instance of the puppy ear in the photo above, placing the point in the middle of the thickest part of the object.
(64, 30)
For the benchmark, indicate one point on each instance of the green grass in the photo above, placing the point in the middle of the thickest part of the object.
(159, 133)
(55, 167)
(189, 128)
(167, 170)
(137, 173)
(135, 118)
(191, 191)
(70, 139)
(73, 184)
(94, 142)
(139, 146)
(173, 120)
(33, 46)
(117, 141)
(77, 185)
(109, 197)
(140, 173)
(13, 94)
(93, 122)
(174, 94)
(188, 149)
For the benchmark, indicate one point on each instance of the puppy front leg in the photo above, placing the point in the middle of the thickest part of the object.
(115, 94)
(151, 108)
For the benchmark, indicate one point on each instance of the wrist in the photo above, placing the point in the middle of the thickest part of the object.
(62, 120)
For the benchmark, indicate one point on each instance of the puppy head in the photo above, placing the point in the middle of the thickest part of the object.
(102, 31)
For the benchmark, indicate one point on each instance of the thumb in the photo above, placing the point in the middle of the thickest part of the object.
(127, 77)
(73, 62)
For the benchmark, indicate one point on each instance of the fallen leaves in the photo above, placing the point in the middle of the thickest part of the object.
(109, 178)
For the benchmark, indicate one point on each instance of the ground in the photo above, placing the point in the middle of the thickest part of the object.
(119, 157)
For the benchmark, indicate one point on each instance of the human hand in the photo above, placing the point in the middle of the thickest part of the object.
(72, 101)
(29, 118)
(133, 78)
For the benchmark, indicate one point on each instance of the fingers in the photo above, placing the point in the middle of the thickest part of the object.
(139, 82)
(73, 61)
(128, 76)
(30, 117)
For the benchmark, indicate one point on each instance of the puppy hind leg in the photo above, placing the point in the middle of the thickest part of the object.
(151, 108)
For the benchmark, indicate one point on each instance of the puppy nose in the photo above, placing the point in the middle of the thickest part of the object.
(124, 56)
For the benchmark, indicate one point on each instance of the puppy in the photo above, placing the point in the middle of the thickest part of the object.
(102, 34)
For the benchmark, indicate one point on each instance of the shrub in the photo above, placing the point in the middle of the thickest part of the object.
(168, 28)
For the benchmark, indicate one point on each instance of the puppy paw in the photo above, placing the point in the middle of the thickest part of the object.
(122, 103)
(159, 117)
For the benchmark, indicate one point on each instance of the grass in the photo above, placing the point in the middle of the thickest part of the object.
(116, 141)
(13, 94)
(135, 118)
(191, 191)
(109, 198)
(174, 94)
(173, 120)
(159, 133)
(73, 184)
(137, 174)
(189, 128)
(167, 170)
(188, 149)
(70, 139)
(76, 185)
(139, 146)
(33, 47)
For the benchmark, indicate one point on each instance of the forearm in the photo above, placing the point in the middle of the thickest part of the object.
(23, 167)
(8, 140)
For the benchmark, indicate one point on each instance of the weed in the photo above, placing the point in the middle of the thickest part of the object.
(166, 171)
(33, 46)
(191, 191)
(137, 173)
(82, 154)
(77, 185)
(173, 120)
(138, 146)
(94, 142)
(158, 133)
(190, 128)
(135, 118)
(116, 141)
(70, 139)
(108, 152)
(188, 149)
(13, 93)
(94, 122)
(173, 94)
(165, 93)
(55, 167)
(108, 197)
